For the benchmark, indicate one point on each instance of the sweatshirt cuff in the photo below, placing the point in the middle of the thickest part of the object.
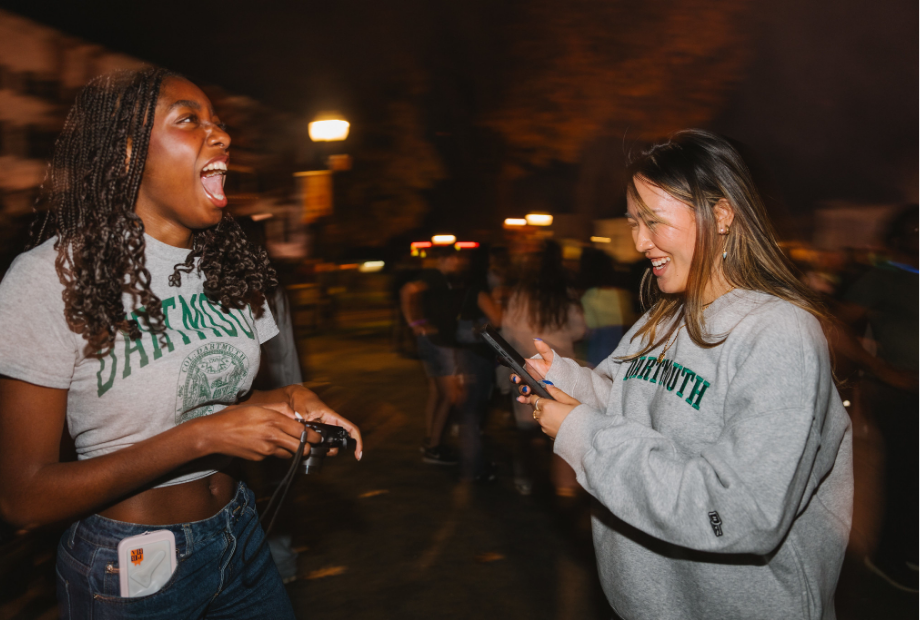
(576, 435)
(562, 372)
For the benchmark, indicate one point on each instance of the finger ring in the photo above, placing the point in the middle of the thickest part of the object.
(536, 404)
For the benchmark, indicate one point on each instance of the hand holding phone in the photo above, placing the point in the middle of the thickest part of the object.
(514, 360)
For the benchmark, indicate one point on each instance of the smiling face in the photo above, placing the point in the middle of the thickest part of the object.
(666, 235)
(182, 186)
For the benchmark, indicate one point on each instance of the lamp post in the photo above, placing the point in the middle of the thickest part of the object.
(315, 186)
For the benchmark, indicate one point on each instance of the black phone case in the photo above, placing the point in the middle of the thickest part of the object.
(513, 359)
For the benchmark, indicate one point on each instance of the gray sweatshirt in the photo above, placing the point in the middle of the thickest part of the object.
(724, 474)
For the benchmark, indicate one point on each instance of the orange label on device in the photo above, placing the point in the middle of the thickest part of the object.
(137, 556)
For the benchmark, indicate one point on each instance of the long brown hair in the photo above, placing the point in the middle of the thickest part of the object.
(700, 169)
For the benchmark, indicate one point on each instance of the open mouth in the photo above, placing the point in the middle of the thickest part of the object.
(212, 179)
(660, 264)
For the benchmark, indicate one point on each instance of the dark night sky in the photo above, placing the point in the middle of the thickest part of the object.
(829, 101)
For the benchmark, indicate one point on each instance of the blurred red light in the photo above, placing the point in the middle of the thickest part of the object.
(466, 245)
(421, 244)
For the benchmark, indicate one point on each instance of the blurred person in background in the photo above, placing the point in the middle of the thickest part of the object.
(542, 306)
(403, 338)
(476, 361)
(136, 319)
(608, 307)
(431, 305)
(713, 437)
(885, 299)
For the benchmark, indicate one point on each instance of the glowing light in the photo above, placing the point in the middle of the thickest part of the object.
(348, 266)
(600, 239)
(421, 244)
(515, 221)
(539, 219)
(846, 403)
(443, 239)
(371, 266)
(329, 130)
(466, 245)
(258, 217)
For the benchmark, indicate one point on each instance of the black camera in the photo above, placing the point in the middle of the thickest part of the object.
(331, 437)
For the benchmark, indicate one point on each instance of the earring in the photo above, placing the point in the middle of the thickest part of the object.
(721, 231)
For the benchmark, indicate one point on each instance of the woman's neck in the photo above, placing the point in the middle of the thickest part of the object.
(716, 287)
(167, 232)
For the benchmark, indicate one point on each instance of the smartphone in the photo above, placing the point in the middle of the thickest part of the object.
(146, 562)
(513, 360)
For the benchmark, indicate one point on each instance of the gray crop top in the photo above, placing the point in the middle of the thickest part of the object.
(143, 387)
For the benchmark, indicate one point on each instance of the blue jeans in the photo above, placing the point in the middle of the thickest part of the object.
(210, 581)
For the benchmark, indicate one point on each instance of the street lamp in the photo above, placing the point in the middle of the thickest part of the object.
(329, 127)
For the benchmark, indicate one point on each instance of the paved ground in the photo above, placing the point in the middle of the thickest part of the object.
(391, 537)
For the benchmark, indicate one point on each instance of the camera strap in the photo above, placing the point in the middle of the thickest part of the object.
(279, 495)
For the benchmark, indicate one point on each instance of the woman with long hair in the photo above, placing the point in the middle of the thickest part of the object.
(542, 306)
(136, 319)
(713, 436)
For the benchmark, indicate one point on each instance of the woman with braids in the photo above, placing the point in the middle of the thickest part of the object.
(136, 317)
(713, 437)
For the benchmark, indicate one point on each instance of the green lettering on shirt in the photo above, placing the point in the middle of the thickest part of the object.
(666, 364)
(649, 364)
(698, 391)
(227, 326)
(202, 302)
(687, 377)
(167, 304)
(191, 317)
(248, 333)
(675, 375)
(102, 388)
(139, 348)
(632, 367)
(167, 342)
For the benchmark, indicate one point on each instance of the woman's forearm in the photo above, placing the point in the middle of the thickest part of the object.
(57, 491)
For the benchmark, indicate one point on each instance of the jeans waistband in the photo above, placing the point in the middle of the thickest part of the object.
(104, 532)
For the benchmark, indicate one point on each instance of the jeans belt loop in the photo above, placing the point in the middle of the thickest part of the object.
(189, 539)
(72, 539)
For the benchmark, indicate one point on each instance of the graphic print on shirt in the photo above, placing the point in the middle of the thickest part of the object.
(212, 372)
(189, 320)
(667, 375)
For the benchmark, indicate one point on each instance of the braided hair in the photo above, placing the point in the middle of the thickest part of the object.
(87, 204)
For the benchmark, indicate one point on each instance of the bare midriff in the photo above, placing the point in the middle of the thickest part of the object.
(180, 503)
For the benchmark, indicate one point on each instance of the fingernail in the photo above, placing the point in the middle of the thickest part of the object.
(298, 416)
(360, 454)
(514, 379)
(540, 339)
(525, 389)
(547, 382)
